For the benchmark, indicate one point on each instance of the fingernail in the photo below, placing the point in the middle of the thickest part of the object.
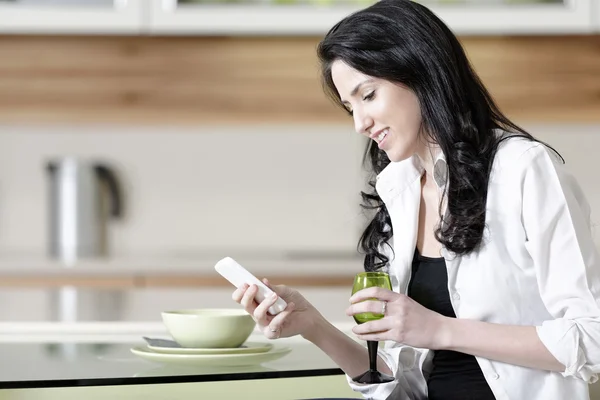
(273, 295)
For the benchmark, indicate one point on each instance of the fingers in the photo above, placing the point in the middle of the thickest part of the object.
(245, 295)
(374, 337)
(273, 330)
(372, 306)
(239, 293)
(279, 319)
(261, 311)
(372, 327)
(281, 290)
(247, 301)
(374, 293)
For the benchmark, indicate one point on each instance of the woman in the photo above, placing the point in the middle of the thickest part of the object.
(485, 235)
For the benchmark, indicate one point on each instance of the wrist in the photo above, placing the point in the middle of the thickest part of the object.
(446, 329)
(316, 329)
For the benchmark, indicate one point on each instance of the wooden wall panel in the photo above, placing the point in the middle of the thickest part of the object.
(196, 80)
(541, 78)
(104, 281)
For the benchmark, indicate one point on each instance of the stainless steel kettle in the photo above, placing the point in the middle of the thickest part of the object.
(83, 195)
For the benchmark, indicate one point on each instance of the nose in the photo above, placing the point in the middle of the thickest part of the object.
(362, 122)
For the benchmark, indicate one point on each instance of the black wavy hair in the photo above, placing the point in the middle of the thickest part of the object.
(404, 42)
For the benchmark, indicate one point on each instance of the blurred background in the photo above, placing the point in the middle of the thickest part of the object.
(143, 140)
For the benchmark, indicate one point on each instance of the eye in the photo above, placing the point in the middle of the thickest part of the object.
(369, 96)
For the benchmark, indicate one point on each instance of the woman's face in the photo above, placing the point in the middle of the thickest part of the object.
(384, 111)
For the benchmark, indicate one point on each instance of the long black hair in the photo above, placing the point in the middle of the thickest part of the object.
(404, 42)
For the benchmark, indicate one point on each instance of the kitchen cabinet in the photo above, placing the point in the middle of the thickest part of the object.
(277, 17)
(518, 16)
(282, 17)
(71, 16)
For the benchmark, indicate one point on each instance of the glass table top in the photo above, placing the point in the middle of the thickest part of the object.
(65, 364)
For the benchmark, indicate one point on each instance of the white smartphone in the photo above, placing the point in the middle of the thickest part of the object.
(238, 275)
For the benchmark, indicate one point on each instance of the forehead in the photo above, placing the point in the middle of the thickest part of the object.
(345, 78)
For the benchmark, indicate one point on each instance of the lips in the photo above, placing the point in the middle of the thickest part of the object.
(379, 135)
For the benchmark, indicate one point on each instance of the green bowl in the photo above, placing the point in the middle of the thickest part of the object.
(209, 328)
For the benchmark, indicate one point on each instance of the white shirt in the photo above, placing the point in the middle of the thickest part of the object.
(538, 266)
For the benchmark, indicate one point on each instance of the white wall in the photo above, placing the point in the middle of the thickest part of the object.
(271, 188)
(260, 188)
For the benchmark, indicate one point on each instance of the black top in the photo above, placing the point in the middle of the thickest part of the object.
(455, 376)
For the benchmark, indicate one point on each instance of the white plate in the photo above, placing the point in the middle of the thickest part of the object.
(248, 347)
(216, 360)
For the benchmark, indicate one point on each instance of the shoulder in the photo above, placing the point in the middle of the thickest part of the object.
(517, 148)
(516, 155)
(519, 160)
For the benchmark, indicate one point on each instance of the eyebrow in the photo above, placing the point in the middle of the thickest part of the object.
(357, 88)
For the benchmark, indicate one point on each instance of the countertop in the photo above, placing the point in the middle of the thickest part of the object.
(87, 360)
(108, 331)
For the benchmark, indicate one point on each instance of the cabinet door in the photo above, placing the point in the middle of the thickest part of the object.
(71, 16)
(254, 17)
(515, 16)
(297, 17)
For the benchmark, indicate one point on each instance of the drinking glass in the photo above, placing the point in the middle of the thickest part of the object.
(364, 280)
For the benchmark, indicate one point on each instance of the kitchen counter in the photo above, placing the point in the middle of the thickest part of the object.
(109, 331)
(93, 361)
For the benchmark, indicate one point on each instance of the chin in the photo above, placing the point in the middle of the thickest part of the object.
(396, 156)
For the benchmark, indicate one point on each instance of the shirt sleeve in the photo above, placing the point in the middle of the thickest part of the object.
(556, 218)
(406, 363)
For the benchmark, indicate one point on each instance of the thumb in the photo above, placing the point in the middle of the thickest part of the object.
(281, 290)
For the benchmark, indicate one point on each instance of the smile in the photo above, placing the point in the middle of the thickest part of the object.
(379, 138)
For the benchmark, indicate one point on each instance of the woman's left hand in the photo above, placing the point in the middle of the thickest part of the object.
(405, 321)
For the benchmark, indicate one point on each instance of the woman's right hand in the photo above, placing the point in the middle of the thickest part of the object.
(298, 318)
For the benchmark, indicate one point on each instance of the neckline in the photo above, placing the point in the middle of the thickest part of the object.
(425, 258)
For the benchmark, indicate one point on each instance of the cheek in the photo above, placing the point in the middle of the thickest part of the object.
(407, 118)
(405, 140)
(412, 127)
(408, 128)
(417, 119)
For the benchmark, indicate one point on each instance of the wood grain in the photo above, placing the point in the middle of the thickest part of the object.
(155, 281)
(541, 78)
(239, 80)
(209, 281)
(103, 282)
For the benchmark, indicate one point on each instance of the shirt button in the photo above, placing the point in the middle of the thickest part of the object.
(495, 376)
(456, 296)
